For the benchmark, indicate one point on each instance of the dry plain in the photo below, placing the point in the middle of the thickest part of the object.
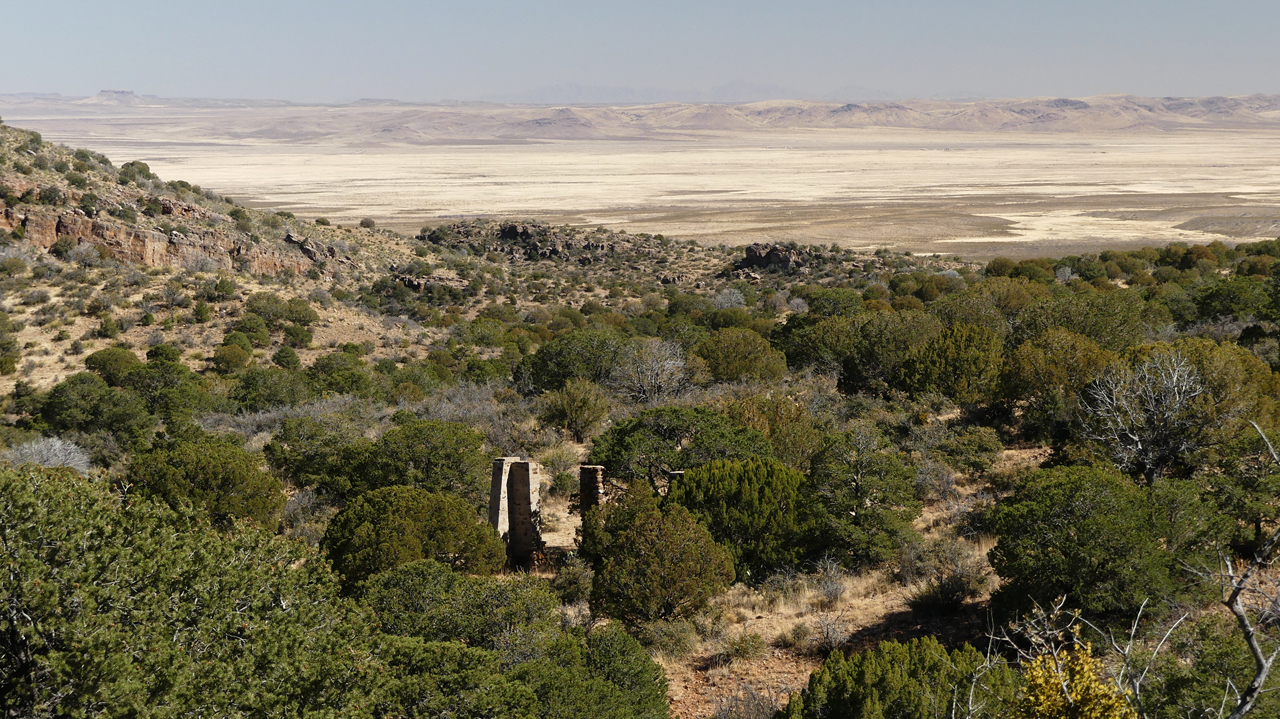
(720, 174)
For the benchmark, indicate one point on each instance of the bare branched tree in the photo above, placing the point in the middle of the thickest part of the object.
(1146, 417)
(728, 298)
(49, 452)
(1252, 596)
(650, 370)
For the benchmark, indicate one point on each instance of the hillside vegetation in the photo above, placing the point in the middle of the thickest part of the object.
(248, 455)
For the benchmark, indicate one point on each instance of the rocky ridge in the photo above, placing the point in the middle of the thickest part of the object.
(132, 216)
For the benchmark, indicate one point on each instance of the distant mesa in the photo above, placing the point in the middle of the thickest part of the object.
(114, 97)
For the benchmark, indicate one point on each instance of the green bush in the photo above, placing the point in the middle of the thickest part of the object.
(429, 600)
(1083, 532)
(428, 454)
(666, 439)
(651, 565)
(447, 679)
(318, 452)
(962, 362)
(216, 476)
(339, 373)
(128, 604)
(758, 509)
(972, 449)
(868, 494)
(297, 336)
(609, 676)
(572, 583)
(1114, 320)
(254, 329)
(820, 341)
(384, 528)
(883, 343)
(239, 339)
(112, 364)
(202, 312)
(734, 355)
(579, 408)
(228, 359)
(287, 358)
(262, 388)
(84, 402)
(916, 680)
(164, 352)
(583, 354)
(1043, 379)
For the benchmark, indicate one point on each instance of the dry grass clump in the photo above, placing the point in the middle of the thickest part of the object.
(749, 702)
(743, 646)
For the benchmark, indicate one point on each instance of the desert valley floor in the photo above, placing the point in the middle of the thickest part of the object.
(973, 192)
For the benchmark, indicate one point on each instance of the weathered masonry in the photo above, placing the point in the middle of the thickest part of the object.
(513, 508)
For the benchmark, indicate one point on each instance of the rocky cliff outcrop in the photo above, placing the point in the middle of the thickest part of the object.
(205, 248)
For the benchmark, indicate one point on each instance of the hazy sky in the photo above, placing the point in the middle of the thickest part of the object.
(324, 50)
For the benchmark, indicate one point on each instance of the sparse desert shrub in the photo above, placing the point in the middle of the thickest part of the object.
(559, 458)
(796, 636)
(49, 452)
(747, 703)
(782, 586)
(935, 480)
(306, 515)
(368, 223)
(829, 583)
(670, 638)
(572, 582)
(943, 594)
(948, 572)
(579, 408)
(830, 633)
(743, 646)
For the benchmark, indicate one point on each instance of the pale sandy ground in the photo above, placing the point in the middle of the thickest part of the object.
(974, 193)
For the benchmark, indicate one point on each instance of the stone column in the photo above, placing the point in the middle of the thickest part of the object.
(498, 515)
(524, 534)
(590, 487)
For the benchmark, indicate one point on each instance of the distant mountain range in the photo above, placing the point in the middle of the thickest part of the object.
(388, 122)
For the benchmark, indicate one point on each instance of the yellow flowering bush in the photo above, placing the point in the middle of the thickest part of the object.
(1074, 688)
